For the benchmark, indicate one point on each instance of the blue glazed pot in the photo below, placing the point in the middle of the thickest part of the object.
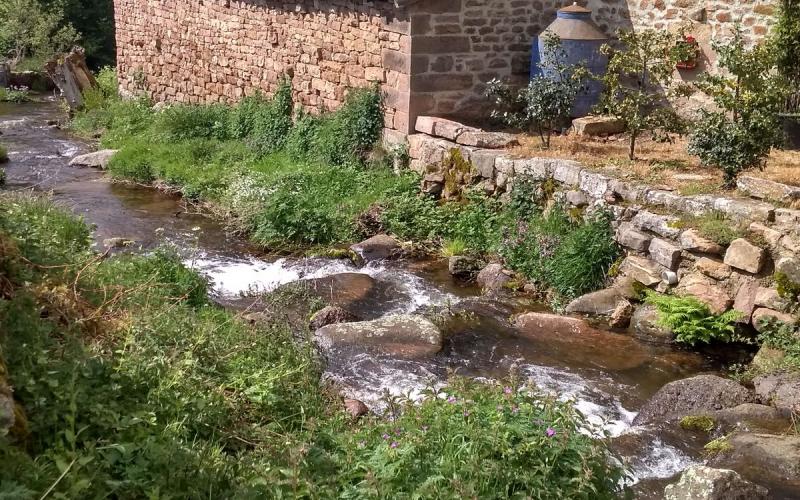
(581, 40)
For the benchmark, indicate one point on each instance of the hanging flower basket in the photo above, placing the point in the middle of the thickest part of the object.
(691, 48)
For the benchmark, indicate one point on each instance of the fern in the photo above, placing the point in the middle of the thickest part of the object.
(691, 320)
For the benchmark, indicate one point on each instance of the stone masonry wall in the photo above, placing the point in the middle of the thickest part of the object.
(201, 51)
(459, 45)
(661, 252)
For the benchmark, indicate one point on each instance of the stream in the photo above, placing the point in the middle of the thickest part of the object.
(607, 383)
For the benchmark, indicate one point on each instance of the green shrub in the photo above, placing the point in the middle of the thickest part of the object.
(414, 216)
(785, 337)
(303, 137)
(194, 121)
(3, 154)
(749, 97)
(349, 134)
(263, 123)
(787, 288)
(14, 94)
(133, 163)
(581, 262)
(691, 320)
(716, 226)
(703, 423)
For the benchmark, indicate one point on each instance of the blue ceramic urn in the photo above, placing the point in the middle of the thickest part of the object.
(581, 40)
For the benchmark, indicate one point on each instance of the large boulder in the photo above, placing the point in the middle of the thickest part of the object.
(691, 396)
(750, 417)
(599, 303)
(595, 125)
(463, 266)
(763, 314)
(98, 159)
(781, 390)
(768, 457)
(402, 336)
(699, 482)
(644, 324)
(379, 247)
(574, 341)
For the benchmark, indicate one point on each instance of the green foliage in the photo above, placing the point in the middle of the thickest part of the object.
(787, 288)
(194, 121)
(785, 41)
(94, 19)
(719, 445)
(691, 320)
(640, 79)
(14, 94)
(348, 135)
(136, 386)
(749, 96)
(263, 123)
(3, 154)
(546, 103)
(571, 257)
(304, 136)
(785, 337)
(715, 226)
(702, 423)
(28, 28)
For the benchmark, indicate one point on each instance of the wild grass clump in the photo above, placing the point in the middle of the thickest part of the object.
(130, 383)
(15, 94)
(786, 338)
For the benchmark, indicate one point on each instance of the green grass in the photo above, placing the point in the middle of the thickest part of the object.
(131, 384)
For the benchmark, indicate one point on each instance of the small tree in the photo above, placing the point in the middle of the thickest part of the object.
(639, 82)
(785, 44)
(749, 94)
(546, 103)
(28, 29)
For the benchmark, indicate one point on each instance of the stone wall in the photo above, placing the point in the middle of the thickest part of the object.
(459, 45)
(663, 252)
(201, 51)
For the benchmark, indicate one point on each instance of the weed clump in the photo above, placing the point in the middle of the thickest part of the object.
(702, 423)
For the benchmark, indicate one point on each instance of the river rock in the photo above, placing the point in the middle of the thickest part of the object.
(575, 341)
(750, 417)
(743, 255)
(767, 359)
(692, 240)
(690, 396)
(644, 324)
(98, 159)
(493, 278)
(599, 303)
(357, 293)
(379, 247)
(621, 316)
(331, 315)
(699, 482)
(762, 314)
(706, 290)
(117, 242)
(355, 408)
(781, 390)
(462, 266)
(768, 457)
(404, 336)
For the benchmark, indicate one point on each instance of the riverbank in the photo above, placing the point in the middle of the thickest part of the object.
(126, 347)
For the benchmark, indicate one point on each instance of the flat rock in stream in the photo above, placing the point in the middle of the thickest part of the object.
(699, 482)
(577, 342)
(599, 303)
(379, 247)
(98, 159)
(691, 396)
(767, 458)
(403, 336)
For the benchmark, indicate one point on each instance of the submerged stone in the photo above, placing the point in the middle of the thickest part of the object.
(403, 336)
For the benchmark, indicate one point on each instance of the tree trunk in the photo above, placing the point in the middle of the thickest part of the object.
(632, 147)
(71, 75)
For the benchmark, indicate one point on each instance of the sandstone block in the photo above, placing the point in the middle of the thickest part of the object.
(665, 253)
(489, 140)
(692, 240)
(769, 298)
(743, 255)
(598, 125)
(705, 290)
(762, 314)
(713, 268)
(630, 237)
(641, 269)
(767, 190)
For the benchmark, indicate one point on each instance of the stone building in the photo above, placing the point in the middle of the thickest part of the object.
(431, 57)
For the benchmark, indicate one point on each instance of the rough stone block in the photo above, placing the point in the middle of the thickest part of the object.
(665, 253)
(767, 190)
(425, 125)
(535, 168)
(594, 184)
(662, 225)
(713, 268)
(745, 299)
(630, 237)
(692, 240)
(567, 172)
(769, 298)
(771, 236)
(598, 125)
(641, 269)
(489, 140)
(762, 313)
(743, 255)
(705, 290)
(484, 161)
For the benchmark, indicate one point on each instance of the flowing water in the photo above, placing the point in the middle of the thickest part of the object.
(608, 377)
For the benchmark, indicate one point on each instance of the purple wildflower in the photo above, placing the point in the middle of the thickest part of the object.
(515, 410)
(394, 444)
(385, 437)
(507, 390)
(550, 432)
(466, 413)
(451, 399)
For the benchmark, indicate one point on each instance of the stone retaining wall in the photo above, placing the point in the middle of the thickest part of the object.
(661, 252)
